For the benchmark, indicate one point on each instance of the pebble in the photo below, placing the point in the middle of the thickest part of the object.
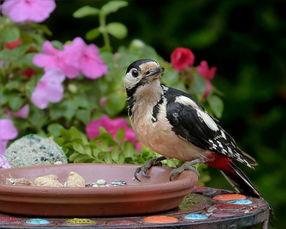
(118, 183)
(101, 182)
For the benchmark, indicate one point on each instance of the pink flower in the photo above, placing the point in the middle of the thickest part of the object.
(22, 113)
(182, 58)
(85, 58)
(111, 126)
(28, 10)
(75, 58)
(52, 58)
(49, 88)
(90, 63)
(204, 70)
(7, 132)
(208, 73)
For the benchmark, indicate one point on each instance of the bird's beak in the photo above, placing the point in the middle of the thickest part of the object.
(154, 72)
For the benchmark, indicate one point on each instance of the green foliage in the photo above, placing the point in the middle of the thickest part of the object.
(85, 11)
(116, 29)
(101, 149)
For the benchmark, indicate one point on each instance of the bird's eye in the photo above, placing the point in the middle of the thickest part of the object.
(134, 73)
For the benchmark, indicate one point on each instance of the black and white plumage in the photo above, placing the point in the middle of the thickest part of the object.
(174, 125)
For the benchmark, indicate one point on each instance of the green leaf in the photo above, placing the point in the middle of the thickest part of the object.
(83, 115)
(65, 109)
(216, 105)
(92, 34)
(113, 6)
(198, 86)
(78, 147)
(117, 30)
(73, 156)
(15, 102)
(43, 28)
(9, 34)
(82, 159)
(115, 103)
(13, 55)
(120, 135)
(55, 129)
(85, 11)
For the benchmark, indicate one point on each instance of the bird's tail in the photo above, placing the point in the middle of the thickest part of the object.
(239, 180)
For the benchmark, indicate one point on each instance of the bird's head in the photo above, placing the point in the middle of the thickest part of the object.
(142, 73)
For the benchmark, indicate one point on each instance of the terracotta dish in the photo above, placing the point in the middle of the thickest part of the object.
(151, 195)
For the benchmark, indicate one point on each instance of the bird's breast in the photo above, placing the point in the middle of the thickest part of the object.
(159, 136)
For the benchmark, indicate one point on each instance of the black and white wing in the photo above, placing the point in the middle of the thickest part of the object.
(191, 122)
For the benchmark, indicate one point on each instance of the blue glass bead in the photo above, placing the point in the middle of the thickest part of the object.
(195, 216)
(37, 221)
(241, 202)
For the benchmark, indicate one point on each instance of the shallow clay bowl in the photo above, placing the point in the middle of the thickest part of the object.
(152, 194)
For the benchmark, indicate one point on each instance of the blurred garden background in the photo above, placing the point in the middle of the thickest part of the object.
(245, 40)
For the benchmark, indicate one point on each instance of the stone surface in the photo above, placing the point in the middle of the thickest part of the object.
(34, 150)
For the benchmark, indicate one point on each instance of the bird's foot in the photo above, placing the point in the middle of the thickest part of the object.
(144, 168)
(186, 166)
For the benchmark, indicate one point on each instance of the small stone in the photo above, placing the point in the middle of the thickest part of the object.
(101, 182)
(58, 163)
(48, 181)
(118, 183)
(19, 181)
(75, 180)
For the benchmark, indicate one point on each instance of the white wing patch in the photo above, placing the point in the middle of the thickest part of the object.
(204, 116)
(207, 120)
(186, 101)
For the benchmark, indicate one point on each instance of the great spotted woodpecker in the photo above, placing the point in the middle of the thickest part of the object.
(173, 124)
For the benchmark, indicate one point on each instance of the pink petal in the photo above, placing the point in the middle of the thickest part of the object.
(129, 135)
(50, 57)
(138, 146)
(48, 48)
(7, 129)
(208, 89)
(49, 88)
(22, 113)
(203, 70)
(3, 145)
(91, 65)
(92, 129)
(28, 10)
(71, 55)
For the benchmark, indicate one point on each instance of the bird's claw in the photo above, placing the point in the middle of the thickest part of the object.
(143, 170)
(177, 171)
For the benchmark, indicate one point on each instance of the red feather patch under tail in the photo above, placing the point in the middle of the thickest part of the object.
(233, 174)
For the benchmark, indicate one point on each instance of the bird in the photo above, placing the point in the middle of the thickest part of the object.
(173, 124)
